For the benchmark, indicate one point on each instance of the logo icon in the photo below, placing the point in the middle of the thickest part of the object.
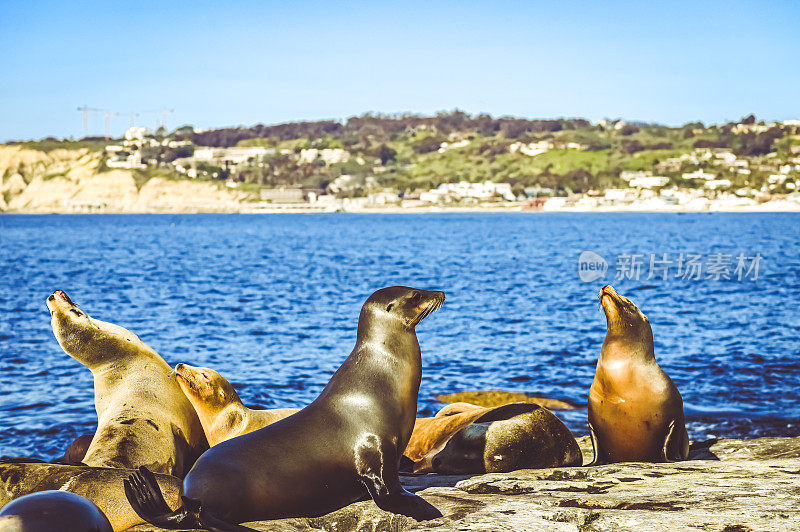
(591, 266)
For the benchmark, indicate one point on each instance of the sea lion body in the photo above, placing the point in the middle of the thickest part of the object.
(468, 439)
(635, 410)
(344, 446)
(102, 486)
(143, 417)
(48, 511)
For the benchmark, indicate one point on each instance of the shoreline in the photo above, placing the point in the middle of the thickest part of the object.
(760, 209)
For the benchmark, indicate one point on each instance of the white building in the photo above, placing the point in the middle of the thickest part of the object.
(715, 184)
(328, 155)
(137, 133)
(627, 175)
(652, 181)
(444, 146)
(699, 174)
(533, 149)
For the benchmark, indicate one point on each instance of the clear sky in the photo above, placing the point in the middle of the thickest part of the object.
(229, 63)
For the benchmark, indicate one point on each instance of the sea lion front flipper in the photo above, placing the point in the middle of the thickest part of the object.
(676, 444)
(667, 441)
(596, 460)
(146, 499)
(377, 468)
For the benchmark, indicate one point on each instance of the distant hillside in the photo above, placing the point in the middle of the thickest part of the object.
(409, 151)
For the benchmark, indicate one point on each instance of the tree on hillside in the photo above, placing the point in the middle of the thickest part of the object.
(386, 154)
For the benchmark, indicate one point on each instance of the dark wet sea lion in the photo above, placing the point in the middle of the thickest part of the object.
(464, 439)
(635, 410)
(101, 485)
(50, 511)
(345, 445)
(143, 417)
(461, 439)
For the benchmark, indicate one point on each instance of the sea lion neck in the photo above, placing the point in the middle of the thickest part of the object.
(618, 349)
(383, 329)
(390, 339)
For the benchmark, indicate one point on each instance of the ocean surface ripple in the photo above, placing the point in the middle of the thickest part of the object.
(272, 302)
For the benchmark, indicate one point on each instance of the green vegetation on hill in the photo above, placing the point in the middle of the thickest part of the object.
(50, 144)
(413, 151)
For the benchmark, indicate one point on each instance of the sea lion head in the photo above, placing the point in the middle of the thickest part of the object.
(399, 306)
(87, 340)
(208, 391)
(626, 324)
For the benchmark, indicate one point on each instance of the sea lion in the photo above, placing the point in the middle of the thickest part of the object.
(101, 485)
(491, 398)
(222, 413)
(344, 446)
(51, 510)
(462, 438)
(635, 410)
(143, 417)
(468, 439)
(75, 451)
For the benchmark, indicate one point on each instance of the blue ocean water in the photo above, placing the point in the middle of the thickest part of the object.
(272, 302)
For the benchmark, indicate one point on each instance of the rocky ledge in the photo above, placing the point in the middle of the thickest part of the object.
(727, 485)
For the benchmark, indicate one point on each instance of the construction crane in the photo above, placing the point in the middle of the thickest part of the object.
(90, 110)
(132, 115)
(164, 112)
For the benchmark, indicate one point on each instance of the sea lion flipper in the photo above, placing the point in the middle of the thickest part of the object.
(144, 495)
(596, 460)
(378, 471)
(406, 503)
(676, 443)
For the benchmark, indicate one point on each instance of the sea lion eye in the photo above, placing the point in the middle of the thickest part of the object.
(389, 307)
(76, 312)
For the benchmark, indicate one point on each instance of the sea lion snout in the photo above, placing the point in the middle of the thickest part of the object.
(59, 299)
(609, 292)
(63, 295)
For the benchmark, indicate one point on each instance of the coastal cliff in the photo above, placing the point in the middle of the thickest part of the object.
(64, 181)
(726, 485)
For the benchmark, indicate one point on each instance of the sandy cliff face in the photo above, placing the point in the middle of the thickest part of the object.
(70, 181)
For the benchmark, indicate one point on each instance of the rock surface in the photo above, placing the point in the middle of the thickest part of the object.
(727, 485)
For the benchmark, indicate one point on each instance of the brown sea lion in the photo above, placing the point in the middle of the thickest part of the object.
(222, 413)
(491, 398)
(344, 446)
(464, 438)
(635, 410)
(143, 417)
(101, 485)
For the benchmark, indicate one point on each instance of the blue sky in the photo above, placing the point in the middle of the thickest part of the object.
(219, 64)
